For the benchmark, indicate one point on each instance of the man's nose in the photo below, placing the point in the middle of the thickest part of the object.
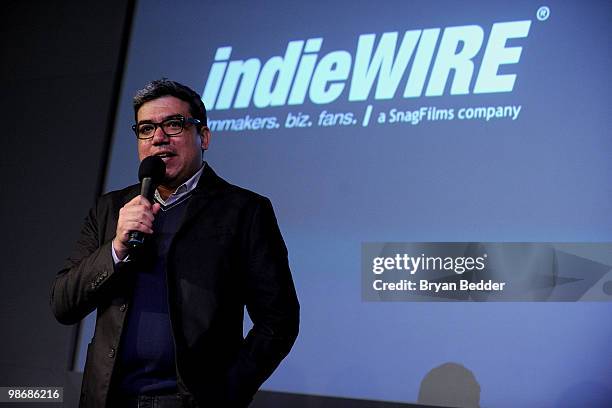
(159, 137)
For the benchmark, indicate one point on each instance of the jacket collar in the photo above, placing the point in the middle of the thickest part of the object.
(209, 185)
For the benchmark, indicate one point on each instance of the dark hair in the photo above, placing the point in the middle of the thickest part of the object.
(165, 87)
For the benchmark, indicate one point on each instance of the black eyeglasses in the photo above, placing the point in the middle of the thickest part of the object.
(171, 127)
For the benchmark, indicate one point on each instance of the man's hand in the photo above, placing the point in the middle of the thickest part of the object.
(136, 215)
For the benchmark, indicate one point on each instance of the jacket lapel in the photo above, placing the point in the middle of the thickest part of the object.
(208, 186)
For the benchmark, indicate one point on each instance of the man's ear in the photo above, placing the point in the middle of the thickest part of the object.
(205, 137)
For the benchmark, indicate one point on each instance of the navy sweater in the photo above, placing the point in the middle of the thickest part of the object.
(146, 351)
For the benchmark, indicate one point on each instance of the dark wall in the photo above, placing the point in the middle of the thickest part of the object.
(60, 66)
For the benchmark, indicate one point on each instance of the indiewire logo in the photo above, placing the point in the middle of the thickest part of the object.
(379, 66)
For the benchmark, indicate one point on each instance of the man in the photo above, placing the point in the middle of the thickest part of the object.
(170, 316)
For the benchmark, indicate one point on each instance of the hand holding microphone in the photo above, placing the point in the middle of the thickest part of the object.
(136, 217)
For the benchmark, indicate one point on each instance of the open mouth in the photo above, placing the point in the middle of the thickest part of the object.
(165, 155)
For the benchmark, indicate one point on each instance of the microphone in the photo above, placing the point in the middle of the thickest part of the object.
(150, 173)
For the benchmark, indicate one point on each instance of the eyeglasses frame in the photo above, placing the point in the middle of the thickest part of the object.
(183, 120)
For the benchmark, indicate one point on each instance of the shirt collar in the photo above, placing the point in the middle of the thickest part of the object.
(183, 189)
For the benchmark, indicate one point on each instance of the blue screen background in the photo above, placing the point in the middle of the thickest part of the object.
(542, 177)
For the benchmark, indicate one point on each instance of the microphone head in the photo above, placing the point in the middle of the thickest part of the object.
(153, 167)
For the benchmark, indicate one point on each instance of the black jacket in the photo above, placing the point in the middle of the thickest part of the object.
(227, 253)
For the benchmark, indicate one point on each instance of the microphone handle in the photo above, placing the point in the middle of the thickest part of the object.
(147, 190)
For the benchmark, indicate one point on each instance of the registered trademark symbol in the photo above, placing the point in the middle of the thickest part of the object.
(543, 13)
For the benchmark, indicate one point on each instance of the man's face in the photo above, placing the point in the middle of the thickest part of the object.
(182, 153)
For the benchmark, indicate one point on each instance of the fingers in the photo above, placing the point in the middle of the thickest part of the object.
(139, 199)
(136, 215)
(136, 225)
